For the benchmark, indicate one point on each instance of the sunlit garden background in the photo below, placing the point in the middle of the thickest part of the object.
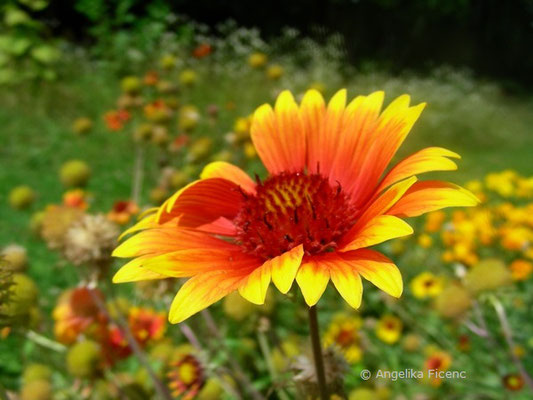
(107, 108)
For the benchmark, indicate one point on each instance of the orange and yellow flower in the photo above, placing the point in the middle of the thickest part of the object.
(389, 329)
(145, 325)
(186, 377)
(122, 212)
(521, 270)
(326, 200)
(344, 334)
(76, 198)
(151, 78)
(77, 312)
(202, 50)
(425, 241)
(157, 110)
(513, 382)
(434, 221)
(115, 119)
(426, 285)
(437, 360)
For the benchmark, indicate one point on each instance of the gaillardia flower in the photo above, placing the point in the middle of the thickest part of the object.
(187, 377)
(327, 198)
(344, 334)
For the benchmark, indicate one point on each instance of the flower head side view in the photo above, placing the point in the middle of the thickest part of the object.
(327, 199)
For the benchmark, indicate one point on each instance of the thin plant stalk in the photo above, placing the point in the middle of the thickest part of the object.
(191, 337)
(159, 387)
(45, 342)
(195, 342)
(265, 349)
(508, 335)
(239, 373)
(317, 353)
(138, 174)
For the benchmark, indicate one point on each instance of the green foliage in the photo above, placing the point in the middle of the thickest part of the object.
(6, 282)
(26, 52)
(130, 28)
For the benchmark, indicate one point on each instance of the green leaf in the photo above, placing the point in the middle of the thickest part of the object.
(35, 5)
(14, 45)
(15, 16)
(7, 75)
(45, 54)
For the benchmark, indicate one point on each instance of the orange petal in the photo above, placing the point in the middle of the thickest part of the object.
(185, 263)
(202, 202)
(382, 203)
(221, 169)
(428, 196)
(221, 226)
(333, 125)
(377, 230)
(354, 138)
(376, 268)
(392, 128)
(254, 287)
(323, 139)
(347, 281)
(278, 135)
(313, 111)
(285, 267)
(203, 290)
(313, 277)
(145, 223)
(165, 240)
(282, 269)
(134, 272)
(426, 160)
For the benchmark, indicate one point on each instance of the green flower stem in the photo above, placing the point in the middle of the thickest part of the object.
(234, 365)
(265, 349)
(317, 353)
(45, 342)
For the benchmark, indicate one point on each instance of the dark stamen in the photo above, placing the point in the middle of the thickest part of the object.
(312, 206)
(243, 193)
(339, 188)
(270, 227)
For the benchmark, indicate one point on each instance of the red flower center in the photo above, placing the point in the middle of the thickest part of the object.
(345, 338)
(428, 283)
(120, 206)
(434, 363)
(290, 209)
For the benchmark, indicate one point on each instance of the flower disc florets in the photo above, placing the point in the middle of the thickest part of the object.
(290, 209)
